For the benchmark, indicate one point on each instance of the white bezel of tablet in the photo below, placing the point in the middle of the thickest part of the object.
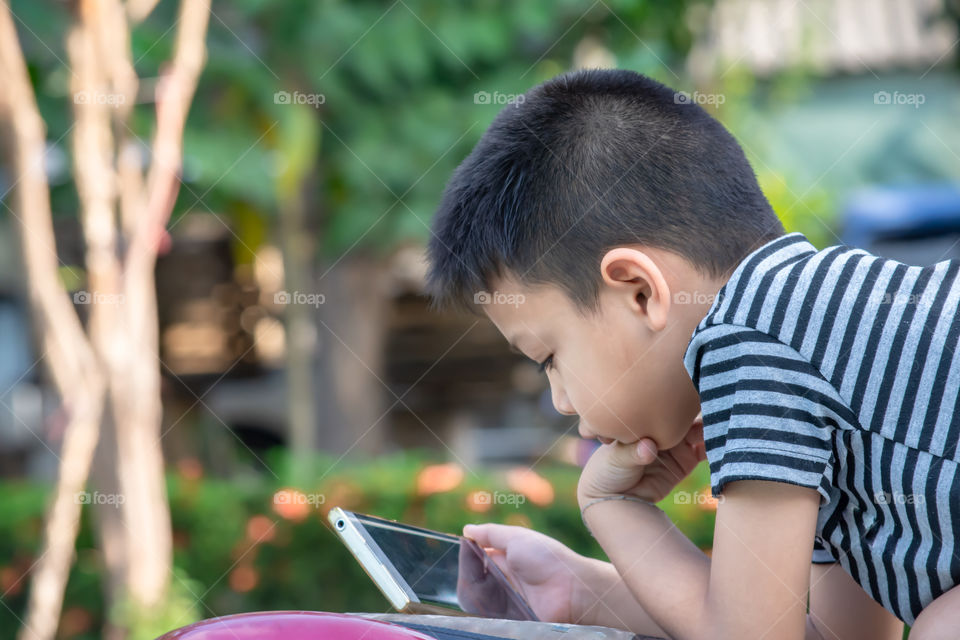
(381, 570)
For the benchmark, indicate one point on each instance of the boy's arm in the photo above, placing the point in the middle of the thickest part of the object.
(840, 608)
(601, 597)
(754, 586)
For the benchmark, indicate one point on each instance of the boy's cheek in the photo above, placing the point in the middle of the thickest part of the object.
(620, 421)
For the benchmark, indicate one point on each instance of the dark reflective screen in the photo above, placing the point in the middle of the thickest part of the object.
(447, 570)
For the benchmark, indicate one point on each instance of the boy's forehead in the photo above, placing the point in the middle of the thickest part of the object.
(511, 300)
(512, 285)
(521, 334)
(522, 312)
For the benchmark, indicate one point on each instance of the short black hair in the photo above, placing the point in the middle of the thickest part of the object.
(585, 162)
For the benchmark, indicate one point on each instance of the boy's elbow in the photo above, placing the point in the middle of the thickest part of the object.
(714, 623)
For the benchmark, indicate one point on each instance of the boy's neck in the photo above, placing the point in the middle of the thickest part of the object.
(701, 293)
(693, 293)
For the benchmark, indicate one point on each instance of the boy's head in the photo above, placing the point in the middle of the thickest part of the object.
(589, 223)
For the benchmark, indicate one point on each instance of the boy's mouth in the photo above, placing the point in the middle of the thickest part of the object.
(605, 440)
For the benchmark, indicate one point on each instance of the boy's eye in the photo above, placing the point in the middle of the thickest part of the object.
(543, 366)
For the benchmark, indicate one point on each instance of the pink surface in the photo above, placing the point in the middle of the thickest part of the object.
(292, 625)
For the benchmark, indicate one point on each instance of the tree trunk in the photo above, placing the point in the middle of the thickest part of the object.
(68, 356)
(353, 324)
(298, 135)
(110, 371)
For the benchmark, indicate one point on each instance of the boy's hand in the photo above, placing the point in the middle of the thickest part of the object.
(542, 569)
(639, 470)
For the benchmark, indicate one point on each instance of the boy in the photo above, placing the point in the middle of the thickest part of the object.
(652, 282)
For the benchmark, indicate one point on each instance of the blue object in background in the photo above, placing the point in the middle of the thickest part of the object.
(916, 224)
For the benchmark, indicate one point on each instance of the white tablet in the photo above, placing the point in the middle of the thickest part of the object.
(423, 571)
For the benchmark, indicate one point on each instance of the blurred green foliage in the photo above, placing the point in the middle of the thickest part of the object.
(237, 550)
(393, 85)
(746, 111)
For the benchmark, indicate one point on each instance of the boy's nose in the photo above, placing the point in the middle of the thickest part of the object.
(561, 404)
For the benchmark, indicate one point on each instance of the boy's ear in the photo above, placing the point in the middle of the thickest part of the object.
(635, 274)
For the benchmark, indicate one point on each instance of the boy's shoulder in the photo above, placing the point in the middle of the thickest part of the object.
(840, 327)
(760, 280)
(789, 292)
(768, 411)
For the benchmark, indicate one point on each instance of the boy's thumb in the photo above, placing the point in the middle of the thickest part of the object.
(646, 451)
(482, 534)
(490, 534)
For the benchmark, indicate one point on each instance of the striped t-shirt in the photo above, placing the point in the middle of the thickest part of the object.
(839, 370)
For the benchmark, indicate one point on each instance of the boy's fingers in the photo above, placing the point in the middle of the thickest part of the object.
(500, 559)
(476, 532)
(695, 438)
(640, 453)
(695, 434)
(489, 534)
(646, 451)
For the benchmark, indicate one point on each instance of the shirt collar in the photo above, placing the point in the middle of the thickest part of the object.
(763, 257)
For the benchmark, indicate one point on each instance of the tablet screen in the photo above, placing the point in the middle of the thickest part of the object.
(446, 570)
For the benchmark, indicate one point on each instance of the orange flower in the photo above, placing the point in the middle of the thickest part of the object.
(190, 468)
(532, 485)
(479, 501)
(181, 539)
(10, 581)
(260, 529)
(243, 579)
(75, 620)
(339, 493)
(291, 504)
(438, 478)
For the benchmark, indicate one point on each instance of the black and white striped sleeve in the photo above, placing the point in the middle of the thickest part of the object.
(821, 555)
(768, 414)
